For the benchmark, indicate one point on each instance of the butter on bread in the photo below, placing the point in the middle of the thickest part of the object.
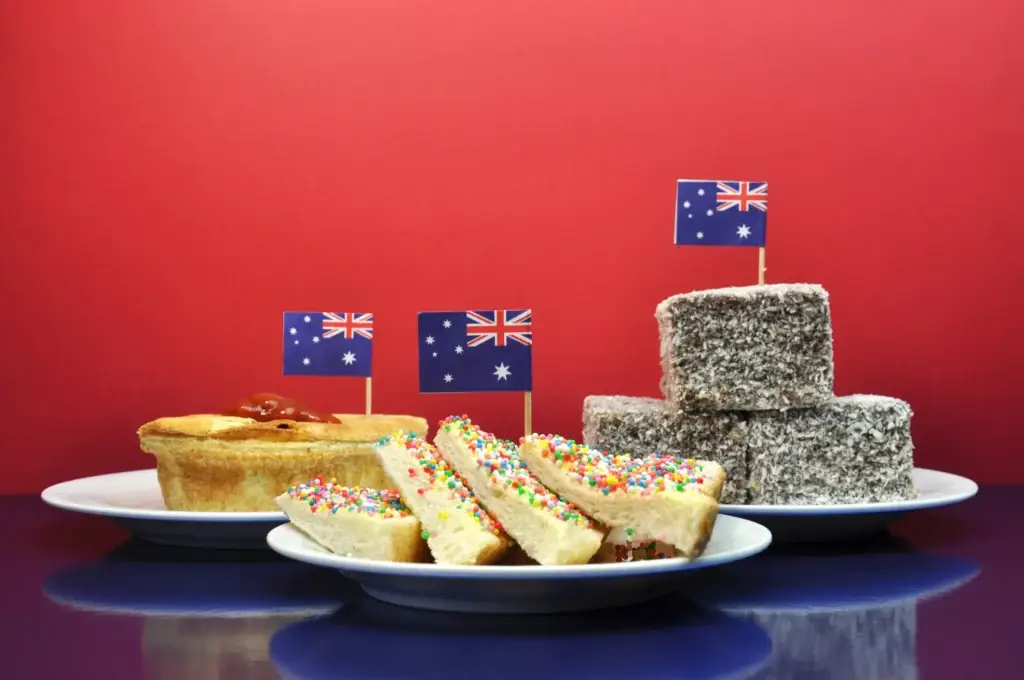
(458, 529)
(658, 498)
(365, 523)
(547, 528)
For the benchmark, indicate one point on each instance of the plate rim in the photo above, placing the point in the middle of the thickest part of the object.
(51, 496)
(970, 490)
(761, 539)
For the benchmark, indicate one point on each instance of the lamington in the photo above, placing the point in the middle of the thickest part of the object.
(643, 426)
(854, 449)
(747, 348)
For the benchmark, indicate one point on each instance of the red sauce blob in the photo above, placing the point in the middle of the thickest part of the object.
(266, 406)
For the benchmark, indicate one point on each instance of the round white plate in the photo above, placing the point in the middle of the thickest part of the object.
(525, 589)
(844, 522)
(133, 499)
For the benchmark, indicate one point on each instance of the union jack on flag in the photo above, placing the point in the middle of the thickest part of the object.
(348, 325)
(328, 343)
(476, 351)
(721, 213)
(500, 326)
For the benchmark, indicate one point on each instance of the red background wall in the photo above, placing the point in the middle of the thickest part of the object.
(173, 175)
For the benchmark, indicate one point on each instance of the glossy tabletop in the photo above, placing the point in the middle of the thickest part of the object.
(941, 596)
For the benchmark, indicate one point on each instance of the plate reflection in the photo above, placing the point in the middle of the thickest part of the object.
(206, 615)
(836, 612)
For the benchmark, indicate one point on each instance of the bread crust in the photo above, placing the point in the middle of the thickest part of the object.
(547, 537)
(354, 534)
(458, 529)
(683, 519)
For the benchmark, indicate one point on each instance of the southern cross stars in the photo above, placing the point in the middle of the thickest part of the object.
(502, 371)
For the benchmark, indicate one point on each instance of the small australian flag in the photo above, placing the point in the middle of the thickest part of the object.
(719, 213)
(476, 351)
(328, 343)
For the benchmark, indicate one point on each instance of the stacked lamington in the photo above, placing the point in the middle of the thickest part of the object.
(747, 377)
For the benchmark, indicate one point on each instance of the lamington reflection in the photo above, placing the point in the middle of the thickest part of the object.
(843, 616)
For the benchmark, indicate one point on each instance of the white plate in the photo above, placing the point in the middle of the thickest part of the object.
(133, 499)
(844, 522)
(525, 589)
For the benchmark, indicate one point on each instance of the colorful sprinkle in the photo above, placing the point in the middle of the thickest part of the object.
(330, 497)
(425, 460)
(507, 471)
(620, 473)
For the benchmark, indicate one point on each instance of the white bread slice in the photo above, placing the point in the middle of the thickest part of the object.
(622, 544)
(459, 530)
(656, 497)
(355, 522)
(548, 529)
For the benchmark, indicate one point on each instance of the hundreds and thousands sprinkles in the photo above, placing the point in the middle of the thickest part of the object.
(608, 472)
(329, 497)
(425, 460)
(506, 470)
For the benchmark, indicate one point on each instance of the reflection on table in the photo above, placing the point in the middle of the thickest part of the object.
(668, 638)
(792, 612)
(207, 615)
(835, 612)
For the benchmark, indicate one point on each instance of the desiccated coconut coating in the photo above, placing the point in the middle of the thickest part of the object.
(643, 426)
(747, 348)
(855, 449)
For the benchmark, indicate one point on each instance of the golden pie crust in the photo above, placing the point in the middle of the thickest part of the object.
(217, 463)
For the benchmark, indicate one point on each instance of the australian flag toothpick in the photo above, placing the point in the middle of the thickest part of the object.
(721, 213)
(476, 351)
(328, 343)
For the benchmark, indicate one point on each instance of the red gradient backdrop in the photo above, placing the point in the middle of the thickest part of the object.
(173, 175)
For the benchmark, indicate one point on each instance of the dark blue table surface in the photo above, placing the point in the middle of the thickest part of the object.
(941, 596)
